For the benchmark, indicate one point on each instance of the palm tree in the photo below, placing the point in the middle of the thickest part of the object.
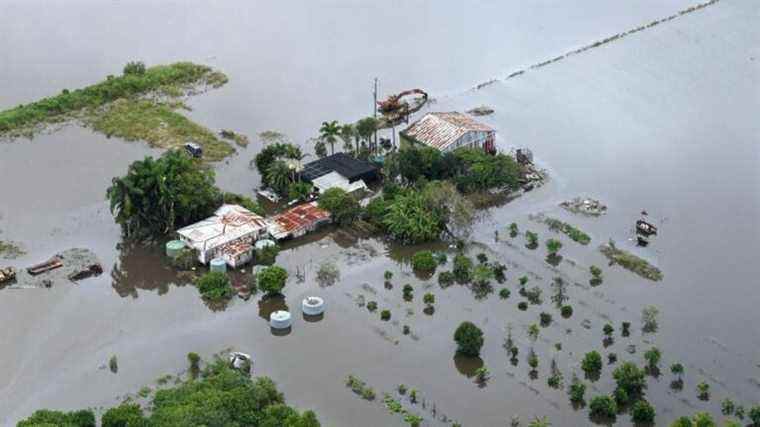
(328, 132)
(347, 134)
(278, 176)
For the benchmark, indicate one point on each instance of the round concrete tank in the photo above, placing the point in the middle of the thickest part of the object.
(313, 306)
(280, 319)
(218, 264)
(174, 247)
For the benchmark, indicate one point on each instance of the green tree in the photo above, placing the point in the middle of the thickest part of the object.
(553, 246)
(428, 299)
(299, 191)
(603, 407)
(320, 149)
(577, 390)
(343, 207)
(642, 412)
(347, 134)
(592, 363)
(469, 339)
(631, 379)
(754, 415)
(365, 128)
(157, 196)
(410, 220)
(124, 415)
(214, 286)
(328, 132)
(682, 422)
(653, 356)
(272, 279)
(46, 417)
(532, 239)
(704, 419)
(423, 261)
(136, 68)
(462, 268)
(278, 177)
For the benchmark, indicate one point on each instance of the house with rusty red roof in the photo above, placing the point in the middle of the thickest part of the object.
(448, 131)
(297, 221)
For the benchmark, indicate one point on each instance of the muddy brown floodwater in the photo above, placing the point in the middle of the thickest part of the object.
(663, 120)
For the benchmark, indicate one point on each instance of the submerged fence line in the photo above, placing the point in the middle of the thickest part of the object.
(598, 43)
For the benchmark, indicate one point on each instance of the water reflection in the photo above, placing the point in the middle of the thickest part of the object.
(281, 332)
(144, 267)
(467, 366)
(313, 318)
(270, 304)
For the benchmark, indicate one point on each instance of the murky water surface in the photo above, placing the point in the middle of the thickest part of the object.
(664, 120)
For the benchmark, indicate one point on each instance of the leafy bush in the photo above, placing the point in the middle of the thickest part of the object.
(372, 305)
(46, 417)
(329, 273)
(136, 68)
(592, 363)
(343, 207)
(642, 412)
(267, 255)
(428, 299)
(566, 311)
(424, 262)
(124, 415)
(577, 390)
(504, 293)
(469, 339)
(272, 279)
(553, 246)
(385, 315)
(522, 305)
(113, 364)
(195, 367)
(630, 378)
(446, 279)
(603, 407)
(214, 286)
(462, 268)
(546, 319)
(409, 219)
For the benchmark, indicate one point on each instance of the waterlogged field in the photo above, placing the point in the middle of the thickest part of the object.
(661, 120)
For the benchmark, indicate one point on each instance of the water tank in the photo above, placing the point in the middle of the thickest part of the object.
(263, 243)
(218, 264)
(280, 319)
(174, 247)
(313, 306)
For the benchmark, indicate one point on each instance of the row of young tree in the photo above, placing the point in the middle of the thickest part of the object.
(356, 138)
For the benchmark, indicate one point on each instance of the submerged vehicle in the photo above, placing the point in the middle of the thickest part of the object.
(194, 150)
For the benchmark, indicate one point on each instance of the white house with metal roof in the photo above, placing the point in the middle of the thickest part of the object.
(447, 131)
(229, 234)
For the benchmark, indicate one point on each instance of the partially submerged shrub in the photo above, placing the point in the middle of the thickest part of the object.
(424, 262)
(504, 293)
(462, 268)
(214, 286)
(113, 364)
(469, 339)
(566, 311)
(603, 407)
(385, 315)
(329, 273)
(272, 279)
(446, 279)
(372, 305)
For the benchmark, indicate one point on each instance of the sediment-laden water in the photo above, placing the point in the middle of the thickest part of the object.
(662, 120)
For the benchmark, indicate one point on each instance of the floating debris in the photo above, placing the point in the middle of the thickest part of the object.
(483, 110)
(645, 228)
(7, 274)
(585, 206)
(44, 267)
(395, 110)
(90, 271)
(239, 139)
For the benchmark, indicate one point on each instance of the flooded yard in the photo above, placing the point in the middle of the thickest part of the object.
(663, 120)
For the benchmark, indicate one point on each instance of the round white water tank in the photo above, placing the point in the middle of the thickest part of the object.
(280, 319)
(313, 306)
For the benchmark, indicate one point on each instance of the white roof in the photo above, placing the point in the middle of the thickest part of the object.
(439, 130)
(334, 179)
(229, 222)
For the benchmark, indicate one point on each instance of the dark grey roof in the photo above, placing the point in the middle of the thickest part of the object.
(342, 163)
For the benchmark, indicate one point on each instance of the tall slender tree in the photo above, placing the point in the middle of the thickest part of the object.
(329, 131)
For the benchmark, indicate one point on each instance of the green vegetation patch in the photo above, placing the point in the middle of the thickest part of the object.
(157, 124)
(10, 250)
(631, 262)
(570, 231)
(128, 106)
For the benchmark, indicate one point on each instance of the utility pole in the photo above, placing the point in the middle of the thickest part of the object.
(374, 105)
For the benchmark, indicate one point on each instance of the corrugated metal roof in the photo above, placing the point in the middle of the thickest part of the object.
(439, 130)
(229, 222)
(305, 216)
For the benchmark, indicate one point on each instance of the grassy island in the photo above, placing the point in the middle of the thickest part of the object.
(631, 262)
(141, 104)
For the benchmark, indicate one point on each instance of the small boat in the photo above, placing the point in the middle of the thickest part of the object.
(7, 274)
(51, 264)
(645, 228)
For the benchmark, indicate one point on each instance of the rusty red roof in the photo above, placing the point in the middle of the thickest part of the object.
(302, 216)
(439, 130)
